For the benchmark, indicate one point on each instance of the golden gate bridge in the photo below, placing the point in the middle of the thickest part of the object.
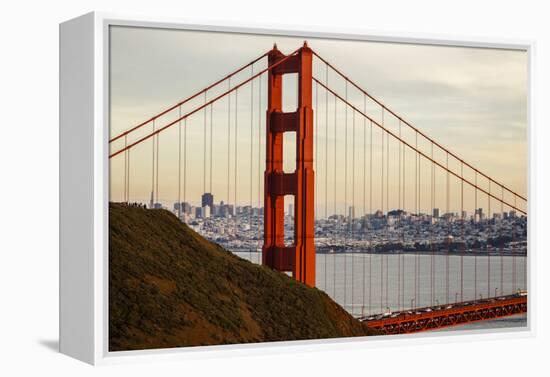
(351, 153)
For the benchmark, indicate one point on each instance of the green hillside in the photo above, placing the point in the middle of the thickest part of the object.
(170, 287)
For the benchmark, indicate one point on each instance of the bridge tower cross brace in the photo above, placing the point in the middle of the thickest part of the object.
(298, 258)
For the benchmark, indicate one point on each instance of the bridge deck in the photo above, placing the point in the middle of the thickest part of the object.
(448, 315)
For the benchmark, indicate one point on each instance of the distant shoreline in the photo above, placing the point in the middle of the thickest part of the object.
(452, 253)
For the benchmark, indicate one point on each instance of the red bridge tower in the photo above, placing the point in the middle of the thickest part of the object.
(298, 258)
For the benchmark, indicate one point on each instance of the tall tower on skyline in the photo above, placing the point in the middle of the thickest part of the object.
(207, 199)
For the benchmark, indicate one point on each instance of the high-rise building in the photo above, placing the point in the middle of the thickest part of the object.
(478, 214)
(435, 213)
(151, 202)
(186, 207)
(291, 210)
(351, 212)
(207, 200)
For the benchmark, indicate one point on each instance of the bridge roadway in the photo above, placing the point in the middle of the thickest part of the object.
(430, 318)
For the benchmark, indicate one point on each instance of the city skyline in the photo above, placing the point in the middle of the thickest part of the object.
(475, 214)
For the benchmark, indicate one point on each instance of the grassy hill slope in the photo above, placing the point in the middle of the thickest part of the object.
(170, 287)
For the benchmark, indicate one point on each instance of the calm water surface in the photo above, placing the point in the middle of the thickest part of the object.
(373, 283)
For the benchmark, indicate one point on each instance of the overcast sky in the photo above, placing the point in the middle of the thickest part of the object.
(472, 100)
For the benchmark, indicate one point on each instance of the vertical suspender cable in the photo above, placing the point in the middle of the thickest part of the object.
(153, 167)
(235, 172)
(334, 204)
(514, 249)
(251, 151)
(489, 235)
(157, 171)
(211, 142)
(370, 219)
(128, 193)
(185, 161)
(204, 150)
(345, 195)
(399, 223)
(417, 210)
(326, 165)
(432, 205)
(315, 147)
(125, 198)
(229, 146)
(387, 217)
(463, 240)
(364, 202)
(402, 255)
(179, 165)
(382, 207)
(475, 221)
(352, 212)
(501, 241)
(259, 163)
(448, 232)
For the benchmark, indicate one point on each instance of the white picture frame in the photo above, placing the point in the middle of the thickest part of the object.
(84, 105)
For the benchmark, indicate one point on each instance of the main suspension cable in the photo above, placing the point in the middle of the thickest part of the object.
(427, 157)
(416, 130)
(179, 104)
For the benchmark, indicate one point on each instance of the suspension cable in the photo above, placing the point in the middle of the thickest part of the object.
(125, 198)
(251, 151)
(449, 233)
(179, 167)
(345, 198)
(501, 220)
(417, 210)
(128, 186)
(489, 233)
(185, 161)
(229, 149)
(432, 224)
(400, 224)
(326, 169)
(315, 147)
(363, 238)
(236, 87)
(424, 155)
(211, 142)
(514, 251)
(477, 226)
(179, 104)
(416, 130)
(402, 255)
(384, 215)
(387, 213)
(352, 212)
(235, 173)
(370, 220)
(204, 149)
(335, 184)
(157, 172)
(152, 204)
(462, 215)
(259, 163)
